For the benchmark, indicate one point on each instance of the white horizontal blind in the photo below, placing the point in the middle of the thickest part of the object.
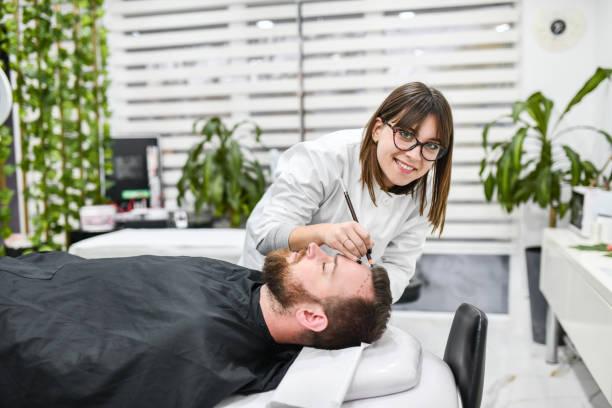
(174, 61)
(356, 52)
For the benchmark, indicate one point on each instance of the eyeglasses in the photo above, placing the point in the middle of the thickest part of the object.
(406, 140)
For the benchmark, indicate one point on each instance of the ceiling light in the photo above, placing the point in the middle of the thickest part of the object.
(265, 24)
(502, 28)
(406, 15)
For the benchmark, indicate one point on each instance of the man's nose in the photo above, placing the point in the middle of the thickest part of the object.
(313, 250)
(317, 252)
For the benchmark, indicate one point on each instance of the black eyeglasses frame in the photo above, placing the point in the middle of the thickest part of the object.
(395, 129)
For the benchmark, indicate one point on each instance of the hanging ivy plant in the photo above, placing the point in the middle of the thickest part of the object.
(57, 51)
(6, 194)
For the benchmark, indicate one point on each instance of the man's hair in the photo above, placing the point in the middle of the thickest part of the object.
(351, 320)
(354, 320)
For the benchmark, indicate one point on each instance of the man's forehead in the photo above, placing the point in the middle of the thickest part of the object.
(364, 288)
(354, 265)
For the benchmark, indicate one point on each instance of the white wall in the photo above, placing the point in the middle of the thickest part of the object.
(559, 74)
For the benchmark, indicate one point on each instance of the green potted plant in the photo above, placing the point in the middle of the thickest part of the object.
(515, 176)
(220, 174)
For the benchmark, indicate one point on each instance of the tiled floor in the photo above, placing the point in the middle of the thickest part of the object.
(516, 375)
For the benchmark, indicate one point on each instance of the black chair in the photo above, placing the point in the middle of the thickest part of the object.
(465, 353)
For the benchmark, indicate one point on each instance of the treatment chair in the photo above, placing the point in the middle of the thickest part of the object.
(454, 382)
(465, 353)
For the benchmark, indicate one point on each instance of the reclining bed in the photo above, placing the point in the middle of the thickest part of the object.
(454, 382)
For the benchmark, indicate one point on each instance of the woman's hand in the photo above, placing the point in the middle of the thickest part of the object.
(348, 238)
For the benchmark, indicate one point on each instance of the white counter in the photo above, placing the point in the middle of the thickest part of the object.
(578, 287)
(219, 243)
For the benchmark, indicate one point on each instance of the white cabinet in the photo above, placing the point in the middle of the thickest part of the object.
(578, 287)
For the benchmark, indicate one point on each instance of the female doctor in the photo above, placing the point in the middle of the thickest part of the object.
(397, 172)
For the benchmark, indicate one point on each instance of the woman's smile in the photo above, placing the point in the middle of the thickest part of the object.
(404, 168)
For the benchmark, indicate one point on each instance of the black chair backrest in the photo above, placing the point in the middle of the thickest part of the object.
(465, 353)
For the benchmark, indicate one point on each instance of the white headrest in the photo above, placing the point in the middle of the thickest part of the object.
(324, 378)
(390, 365)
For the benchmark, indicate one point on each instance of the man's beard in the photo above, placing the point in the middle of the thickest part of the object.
(284, 287)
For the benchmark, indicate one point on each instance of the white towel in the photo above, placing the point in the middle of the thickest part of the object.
(318, 378)
(324, 379)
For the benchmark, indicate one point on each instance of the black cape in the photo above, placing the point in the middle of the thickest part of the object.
(132, 332)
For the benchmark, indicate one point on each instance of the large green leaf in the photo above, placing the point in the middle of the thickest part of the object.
(211, 128)
(234, 160)
(590, 173)
(539, 108)
(216, 193)
(233, 195)
(525, 189)
(489, 187)
(504, 179)
(256, 129)
(483, 166)
(517, 147)
(542, 191)
(589, 86)
(606, 135)
(195, 153)
(257, 133)
(190, 171)
(576, 165)
(209, 167)
(518, 107)
(485, 134)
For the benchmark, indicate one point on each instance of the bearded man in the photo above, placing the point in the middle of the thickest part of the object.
(174, 331)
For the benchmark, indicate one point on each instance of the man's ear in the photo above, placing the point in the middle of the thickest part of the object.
(311, 317)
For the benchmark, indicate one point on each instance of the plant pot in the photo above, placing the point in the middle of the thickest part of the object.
(15, 252)
(201, 219)
(537, 302)
(221, 223)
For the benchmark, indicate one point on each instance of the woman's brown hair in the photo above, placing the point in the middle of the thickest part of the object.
(407, 106)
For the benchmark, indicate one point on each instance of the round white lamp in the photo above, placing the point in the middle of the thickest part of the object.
(6, 97)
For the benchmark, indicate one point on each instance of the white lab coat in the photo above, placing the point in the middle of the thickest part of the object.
(306, 191)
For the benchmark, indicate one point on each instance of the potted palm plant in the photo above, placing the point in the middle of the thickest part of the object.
(220, 174)
(516, 175)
